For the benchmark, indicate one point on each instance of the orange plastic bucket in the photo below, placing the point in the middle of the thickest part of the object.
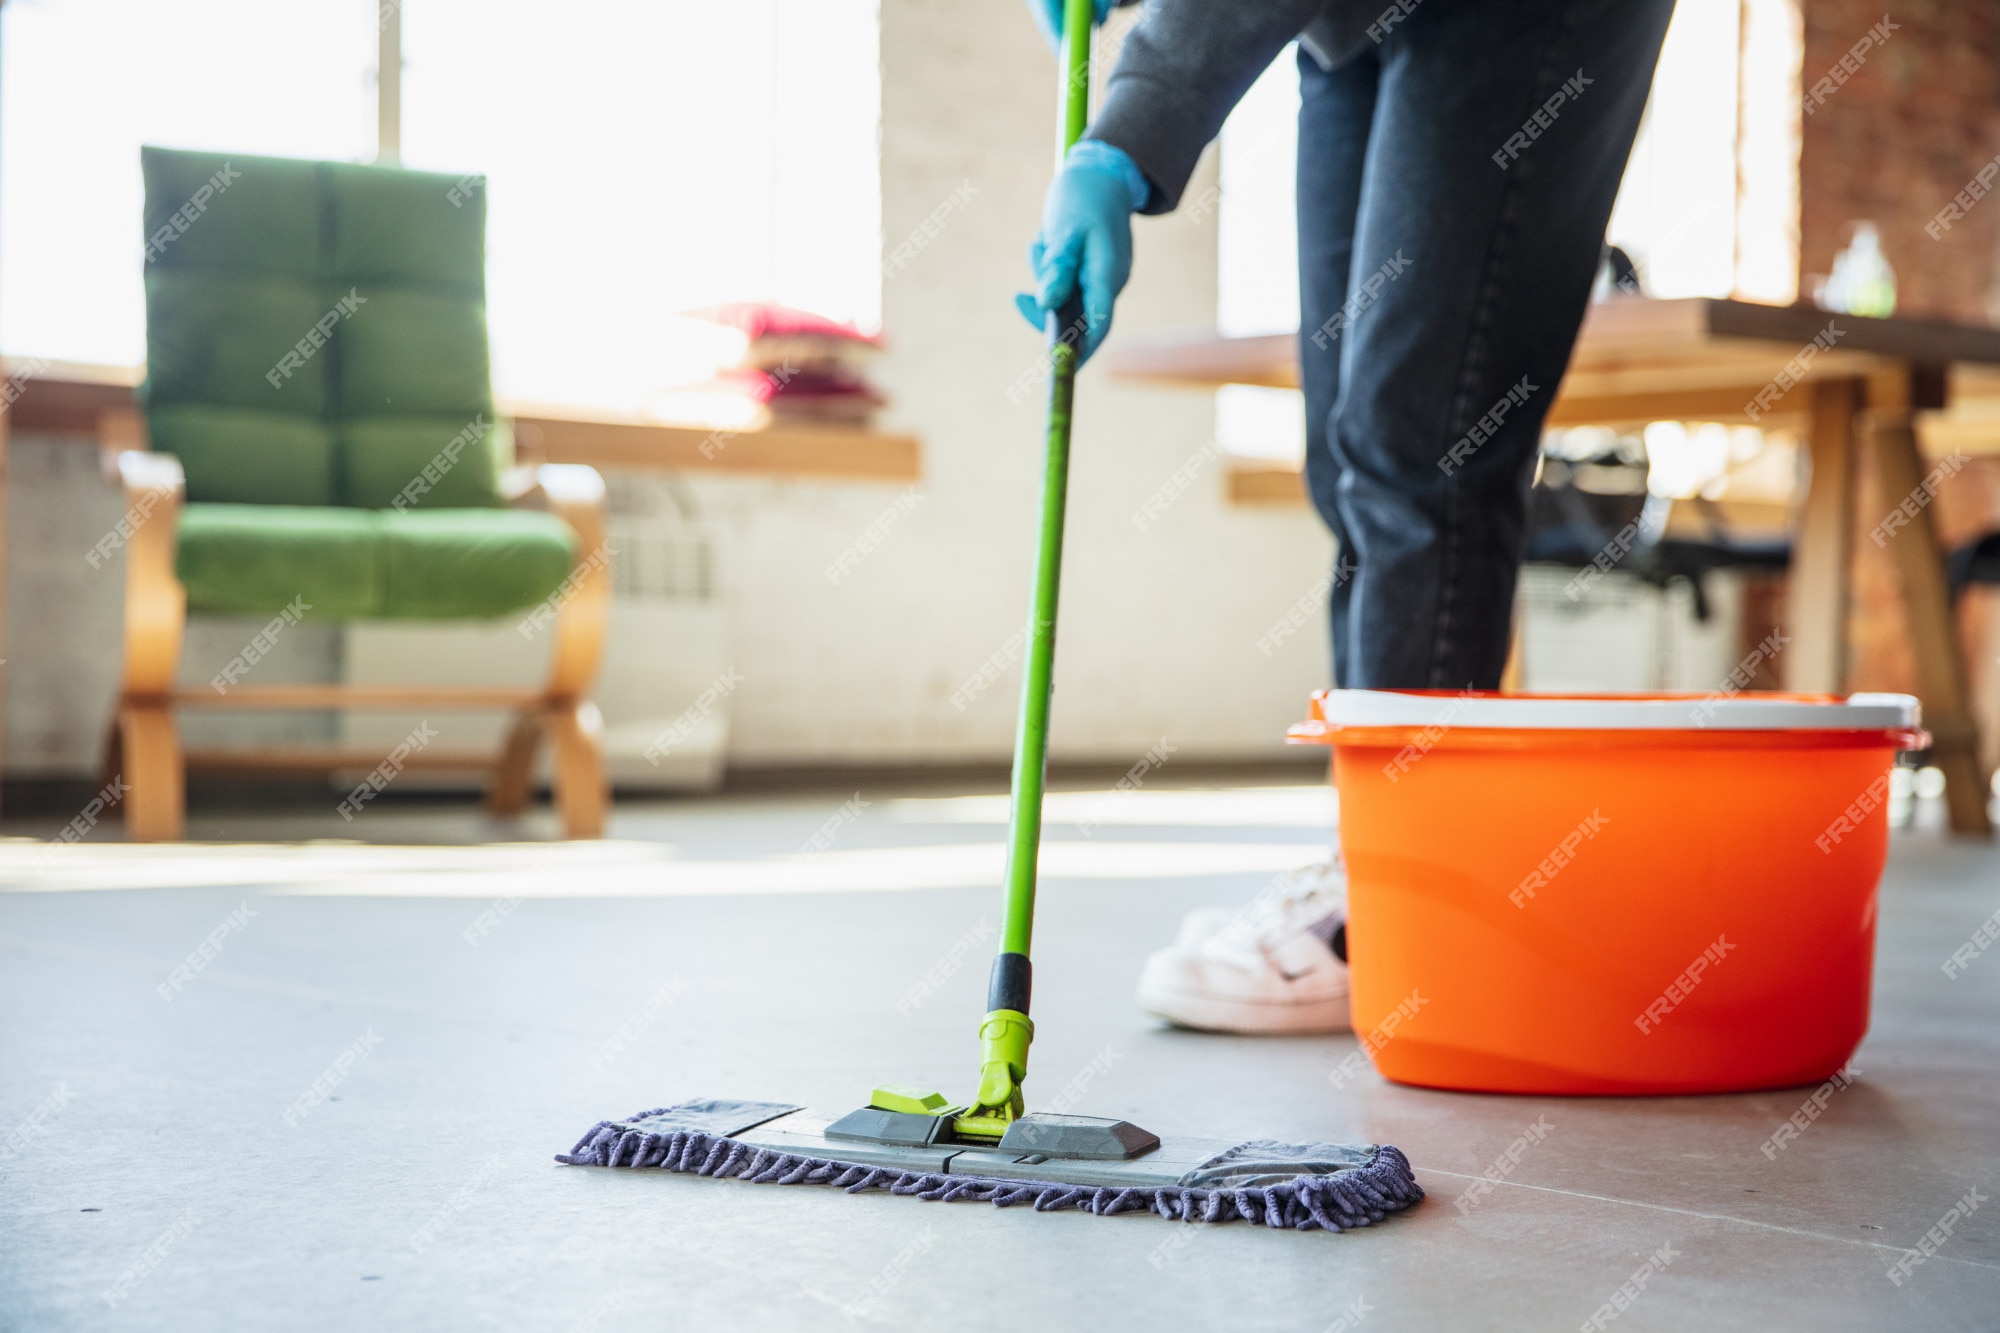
(1611, 894)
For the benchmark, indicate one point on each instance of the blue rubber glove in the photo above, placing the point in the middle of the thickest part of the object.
(1049, 18)
(1086, 238)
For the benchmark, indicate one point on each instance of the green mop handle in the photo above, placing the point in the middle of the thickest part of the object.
(1006, 1031)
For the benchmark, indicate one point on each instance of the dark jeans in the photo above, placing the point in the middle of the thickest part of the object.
(1447, 243)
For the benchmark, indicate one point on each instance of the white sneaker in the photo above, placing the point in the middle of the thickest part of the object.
(1203, 922)
(1269, 968)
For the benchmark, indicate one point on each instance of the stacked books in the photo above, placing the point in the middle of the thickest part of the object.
(798, 366)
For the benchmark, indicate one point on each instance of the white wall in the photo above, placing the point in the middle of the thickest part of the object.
(65, 627)
(1159, 627)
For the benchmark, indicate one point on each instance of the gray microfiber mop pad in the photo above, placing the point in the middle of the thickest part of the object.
(1301, 1186)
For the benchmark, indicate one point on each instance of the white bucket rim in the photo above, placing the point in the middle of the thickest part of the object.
(1694, 712)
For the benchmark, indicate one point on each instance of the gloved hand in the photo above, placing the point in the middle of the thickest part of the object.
(1049, 18)
(1086, 238)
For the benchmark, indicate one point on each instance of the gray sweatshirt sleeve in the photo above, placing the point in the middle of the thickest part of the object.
(1184, 65)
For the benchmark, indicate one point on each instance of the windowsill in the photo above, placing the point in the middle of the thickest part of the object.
(69, 398)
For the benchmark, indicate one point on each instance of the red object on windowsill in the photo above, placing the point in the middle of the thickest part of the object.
(758, 320)
(796, 364)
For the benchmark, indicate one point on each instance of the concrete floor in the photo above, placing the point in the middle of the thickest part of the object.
(500, 999)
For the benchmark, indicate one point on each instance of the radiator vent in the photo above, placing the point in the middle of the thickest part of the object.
(662, 560)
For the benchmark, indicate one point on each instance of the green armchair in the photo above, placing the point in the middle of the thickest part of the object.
(324, 445)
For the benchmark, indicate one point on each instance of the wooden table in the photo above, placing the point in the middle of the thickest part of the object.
(1703, 359)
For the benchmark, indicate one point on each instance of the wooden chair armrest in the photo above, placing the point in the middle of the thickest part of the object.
(521, 488)
(155, 603)
(142, 473)
(575, 494)
(569, 483)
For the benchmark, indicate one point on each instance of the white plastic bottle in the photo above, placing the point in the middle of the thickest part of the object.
(1862, 283)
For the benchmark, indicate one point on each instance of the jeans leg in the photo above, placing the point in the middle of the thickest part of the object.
(1501, 130)
(1336, 109)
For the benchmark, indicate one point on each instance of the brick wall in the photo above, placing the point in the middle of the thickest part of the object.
(1894, 144)
(1902, 136)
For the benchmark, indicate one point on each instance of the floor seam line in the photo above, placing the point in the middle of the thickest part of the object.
(1711, 1217)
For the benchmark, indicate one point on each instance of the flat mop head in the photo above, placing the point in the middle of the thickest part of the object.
(1053, 1162)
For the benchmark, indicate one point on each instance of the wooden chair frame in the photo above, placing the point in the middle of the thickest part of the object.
(144, 749)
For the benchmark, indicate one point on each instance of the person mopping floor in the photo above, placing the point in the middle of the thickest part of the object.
(915, 1140)
(1458, 160)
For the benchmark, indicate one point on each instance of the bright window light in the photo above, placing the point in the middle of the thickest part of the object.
(1257, 260)
(643, 156)
(1677, 206)
(1257, 277)
(1686, 459)
(1708, 205)
(85, 82)
(646, 157)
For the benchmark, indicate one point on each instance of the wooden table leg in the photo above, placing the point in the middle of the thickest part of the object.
(1816, 659)
(1941, 677)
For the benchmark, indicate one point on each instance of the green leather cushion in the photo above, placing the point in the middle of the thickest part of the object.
(255, 559)
(345, 564)
(247, 215)
(349, 298)
(233, 454)
(413, 353)
(449, 563)
(423, 462)
(221, 340)
(411, 228)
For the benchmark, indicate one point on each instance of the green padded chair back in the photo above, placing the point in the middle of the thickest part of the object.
(316, 332)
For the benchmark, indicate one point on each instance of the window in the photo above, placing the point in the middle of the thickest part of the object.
(643, 157)
(1257, 262)
(646, 157)
(1708, 207)
(85, 82)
